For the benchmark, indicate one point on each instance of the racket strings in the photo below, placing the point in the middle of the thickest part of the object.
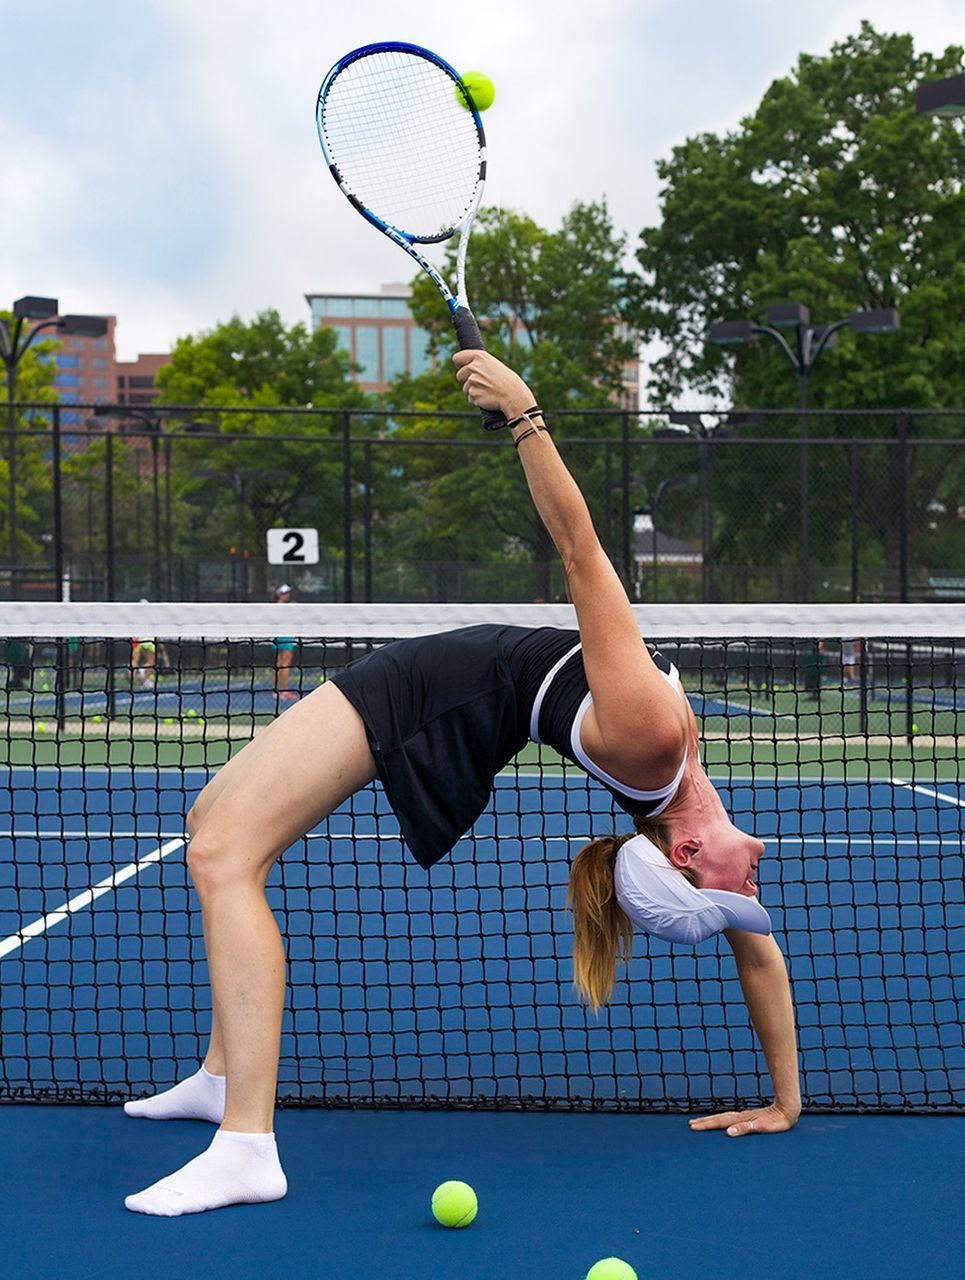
(403, 144)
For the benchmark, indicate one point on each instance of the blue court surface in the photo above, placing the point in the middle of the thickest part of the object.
(453, 989)
(843, 1197)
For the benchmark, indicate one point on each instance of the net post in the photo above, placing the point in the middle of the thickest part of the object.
(864, 661)
(909, 695)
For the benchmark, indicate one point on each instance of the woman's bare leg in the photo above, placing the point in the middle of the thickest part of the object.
(290, 780)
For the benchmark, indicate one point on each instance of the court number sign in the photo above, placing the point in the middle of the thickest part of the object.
(293, 546)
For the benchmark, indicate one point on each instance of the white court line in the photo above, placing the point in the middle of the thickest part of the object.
(81, 900)
(928, 791)
(351, 837)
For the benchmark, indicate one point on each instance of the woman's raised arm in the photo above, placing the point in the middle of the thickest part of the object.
(632, 701)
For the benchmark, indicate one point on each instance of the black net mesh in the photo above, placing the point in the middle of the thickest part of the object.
(835, 735)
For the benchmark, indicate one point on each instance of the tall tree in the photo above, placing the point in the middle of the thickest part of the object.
(554, 305)
(228, 492)
(835, 193)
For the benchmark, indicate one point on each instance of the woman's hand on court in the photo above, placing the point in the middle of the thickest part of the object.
(772, 1119)
(489, 384)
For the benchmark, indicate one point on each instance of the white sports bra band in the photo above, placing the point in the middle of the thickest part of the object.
(663, 794)
(543, 690)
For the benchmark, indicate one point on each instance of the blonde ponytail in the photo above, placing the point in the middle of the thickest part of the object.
(602, 932)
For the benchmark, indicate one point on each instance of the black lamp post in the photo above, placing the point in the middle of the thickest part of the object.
(693, 424)
(13, 346)
(671, 482)
(941, 97)
(808, 343)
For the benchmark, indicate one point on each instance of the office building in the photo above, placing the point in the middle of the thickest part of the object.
(377, 330)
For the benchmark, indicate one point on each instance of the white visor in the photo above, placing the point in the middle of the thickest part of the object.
(661, 901)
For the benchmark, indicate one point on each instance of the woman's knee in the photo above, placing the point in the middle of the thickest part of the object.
(195, 814)
(216, 862)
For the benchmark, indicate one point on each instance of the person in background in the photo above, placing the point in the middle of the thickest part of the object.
(284, 647)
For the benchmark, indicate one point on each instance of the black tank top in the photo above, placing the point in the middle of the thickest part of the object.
(548, 672)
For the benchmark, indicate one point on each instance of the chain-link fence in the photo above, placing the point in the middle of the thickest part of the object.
(175, 504)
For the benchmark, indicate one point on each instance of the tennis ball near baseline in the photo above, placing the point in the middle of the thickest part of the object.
(611, 1269)
(454, 1204)
(481, 90)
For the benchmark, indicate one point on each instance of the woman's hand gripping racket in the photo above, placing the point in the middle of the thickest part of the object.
(405, 144)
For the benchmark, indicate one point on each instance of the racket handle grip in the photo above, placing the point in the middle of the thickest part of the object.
(470, 339)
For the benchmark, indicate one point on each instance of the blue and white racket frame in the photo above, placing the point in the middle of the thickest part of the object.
(464, 322)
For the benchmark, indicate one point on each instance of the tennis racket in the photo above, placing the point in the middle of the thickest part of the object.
(410, 157)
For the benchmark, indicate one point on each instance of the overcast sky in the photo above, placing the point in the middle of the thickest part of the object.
(159, 159)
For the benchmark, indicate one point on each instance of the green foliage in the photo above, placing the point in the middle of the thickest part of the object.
(227, 491)
(550, 303)
(834, 193)
(553, 305)
(259, 363)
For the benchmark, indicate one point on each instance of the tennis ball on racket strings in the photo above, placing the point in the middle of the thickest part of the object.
(481, 90)
(611, 1269)
(454, 1204)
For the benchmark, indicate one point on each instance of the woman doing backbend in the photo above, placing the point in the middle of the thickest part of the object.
(435, 719)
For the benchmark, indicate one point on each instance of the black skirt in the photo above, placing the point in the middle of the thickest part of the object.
(443, 715)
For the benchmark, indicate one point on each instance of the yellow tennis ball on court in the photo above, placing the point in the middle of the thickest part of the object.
(481, 90)
(41, 727)
(914, 728)
(192, 713)
(98, 719)
(454, 1204)
(169, 720)
(611, 1269)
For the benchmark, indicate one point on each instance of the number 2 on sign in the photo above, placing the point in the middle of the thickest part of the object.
(293, 546)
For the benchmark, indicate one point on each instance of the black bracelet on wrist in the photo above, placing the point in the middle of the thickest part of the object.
(524, 417)
(530, 431)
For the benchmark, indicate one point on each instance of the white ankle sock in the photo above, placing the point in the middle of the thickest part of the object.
(200, 1097)
(238, 1168)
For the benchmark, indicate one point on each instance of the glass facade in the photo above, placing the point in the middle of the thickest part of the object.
(366, 307)
(382, 350)
(419, 360)
(367, 352)
(393, 352)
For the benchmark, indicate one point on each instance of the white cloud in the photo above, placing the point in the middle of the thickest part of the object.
(179, 179)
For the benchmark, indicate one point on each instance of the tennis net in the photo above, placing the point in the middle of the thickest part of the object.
(835, 734)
